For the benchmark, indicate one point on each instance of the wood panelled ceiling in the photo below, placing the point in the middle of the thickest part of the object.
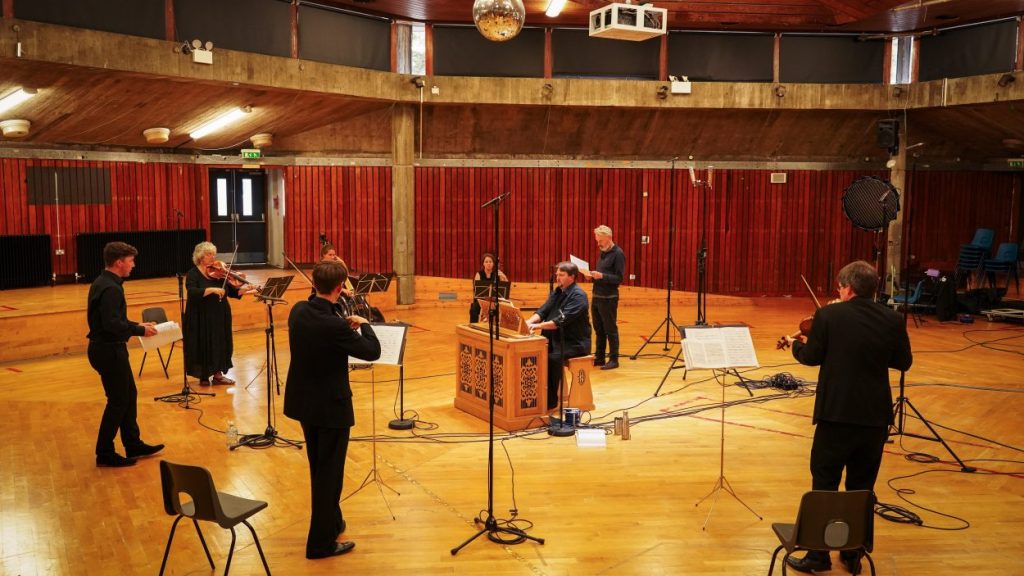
(875, 16)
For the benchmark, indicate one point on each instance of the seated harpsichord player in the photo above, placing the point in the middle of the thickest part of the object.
(564, 320)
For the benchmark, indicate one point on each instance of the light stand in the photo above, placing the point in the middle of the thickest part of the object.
(270, 295)
(722, 484)
(183, 397)
(902, 402)
(490, 523)
(668, 322)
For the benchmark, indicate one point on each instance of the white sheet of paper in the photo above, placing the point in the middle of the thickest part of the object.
(392, 343)
(166, 333)
(728, 347)
(583, 265)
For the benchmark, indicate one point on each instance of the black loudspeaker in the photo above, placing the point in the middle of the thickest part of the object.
(888, 134)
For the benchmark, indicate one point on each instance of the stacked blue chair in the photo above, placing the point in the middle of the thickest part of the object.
(1005, 262)
(972, 256)
(912, 303)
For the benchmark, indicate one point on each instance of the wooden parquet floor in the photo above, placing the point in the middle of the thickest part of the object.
(627, 508)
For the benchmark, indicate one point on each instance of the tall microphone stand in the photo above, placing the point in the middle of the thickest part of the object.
(185, 396)
(902, 402)
(491, 527)
(668, 322)
(702, 251)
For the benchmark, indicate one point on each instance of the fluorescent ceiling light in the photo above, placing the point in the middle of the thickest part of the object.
(555, 8)
(220, 122)
(15, 98)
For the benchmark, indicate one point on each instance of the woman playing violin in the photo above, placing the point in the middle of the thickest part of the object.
(207, 323)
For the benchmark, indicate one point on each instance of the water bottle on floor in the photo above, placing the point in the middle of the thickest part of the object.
(232, 435)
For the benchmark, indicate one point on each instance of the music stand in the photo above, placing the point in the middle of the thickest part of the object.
(392, 343)
(272, 293)
(369, 283)
(482, 289)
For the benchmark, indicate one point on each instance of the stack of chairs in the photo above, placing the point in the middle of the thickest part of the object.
(1005, 262)
(972, 256)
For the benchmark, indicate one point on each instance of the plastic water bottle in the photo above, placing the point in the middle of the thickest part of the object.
(232, 435)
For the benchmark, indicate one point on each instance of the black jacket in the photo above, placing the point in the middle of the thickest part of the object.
(108, 312)
(570, 312)
(317, 391)
(855, 343)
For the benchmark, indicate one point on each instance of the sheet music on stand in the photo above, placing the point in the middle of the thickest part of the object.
(482, 289)
(370, 282)
(274, 288)
(721, 348)
(392, 344)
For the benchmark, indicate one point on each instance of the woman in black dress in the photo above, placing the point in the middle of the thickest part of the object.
(207, 324)
(486, 273)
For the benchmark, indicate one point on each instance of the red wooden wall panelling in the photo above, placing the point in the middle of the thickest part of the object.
(761, 237)
(350, 204)
(143, 196)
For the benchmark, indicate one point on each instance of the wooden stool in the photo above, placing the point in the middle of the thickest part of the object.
(577, 377)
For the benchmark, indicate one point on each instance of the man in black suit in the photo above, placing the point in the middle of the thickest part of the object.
(319, 397)
(564, 320)
(109, 330)
(855, 341)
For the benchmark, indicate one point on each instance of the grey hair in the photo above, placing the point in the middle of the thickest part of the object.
(202, 249)
(860, 276)
(603, 230)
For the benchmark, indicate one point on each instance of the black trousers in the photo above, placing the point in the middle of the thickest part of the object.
(605, 312)
(110, 360)
(474, 312)
(836, 446)
(556, 361)
(325, 449)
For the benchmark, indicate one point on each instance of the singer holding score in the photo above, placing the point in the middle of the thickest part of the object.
(611, 267)
(565, 322)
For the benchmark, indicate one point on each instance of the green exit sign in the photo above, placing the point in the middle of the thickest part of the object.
(1017, 163)
(250, 154)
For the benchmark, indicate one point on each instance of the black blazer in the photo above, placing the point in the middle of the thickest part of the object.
(855, 343)
(317, 391)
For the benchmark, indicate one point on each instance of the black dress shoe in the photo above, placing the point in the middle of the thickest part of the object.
(598, 361)
(114, 460)
(810, 564)
(338, 549)
(611, 365)
(851, 562)
(143, 450)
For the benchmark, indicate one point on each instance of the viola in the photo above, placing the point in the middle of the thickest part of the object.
(218, 270)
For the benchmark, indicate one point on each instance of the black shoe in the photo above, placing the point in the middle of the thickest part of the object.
(810, 564)
(113, 460)
(338, 549)
(598, 361)
(851, 562)
(611, 365)
(143, 450)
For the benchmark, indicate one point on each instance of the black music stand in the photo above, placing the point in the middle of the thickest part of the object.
(370, 283)
(482, 289)
(271, 294)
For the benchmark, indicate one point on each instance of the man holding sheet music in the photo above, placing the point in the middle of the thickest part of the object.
(565, 322)
(319, 397)
(855, 341)
(607, 275)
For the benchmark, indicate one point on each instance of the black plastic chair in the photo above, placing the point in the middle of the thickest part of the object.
(207, 504)
(829, 521)
(158, 315)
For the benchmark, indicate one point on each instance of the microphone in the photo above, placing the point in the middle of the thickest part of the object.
(884, 196)
(178, 213)
(912, 146)
(693, 177)
(497, 199)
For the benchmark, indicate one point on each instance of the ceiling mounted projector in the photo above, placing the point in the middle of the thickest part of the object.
(626, 21)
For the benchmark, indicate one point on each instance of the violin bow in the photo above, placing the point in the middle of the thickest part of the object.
(227, 271)
(817, 305)
(297, 269)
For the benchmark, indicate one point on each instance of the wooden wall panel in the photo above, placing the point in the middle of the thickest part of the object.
(142, 197)
(761, 237)
(350, 204)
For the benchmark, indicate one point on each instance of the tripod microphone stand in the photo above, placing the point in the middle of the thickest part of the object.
(668, 322)
(560, 429)
(902, 402)
(702, 252)
(185, 396)
(490, 524)
(270, 295)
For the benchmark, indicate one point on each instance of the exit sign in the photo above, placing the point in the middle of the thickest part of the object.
(1017, 163)
(250, 154)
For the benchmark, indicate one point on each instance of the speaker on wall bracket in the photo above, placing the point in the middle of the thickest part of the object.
(888, 135)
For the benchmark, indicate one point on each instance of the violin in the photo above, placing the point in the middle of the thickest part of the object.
(218, 270)
(805, 325)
